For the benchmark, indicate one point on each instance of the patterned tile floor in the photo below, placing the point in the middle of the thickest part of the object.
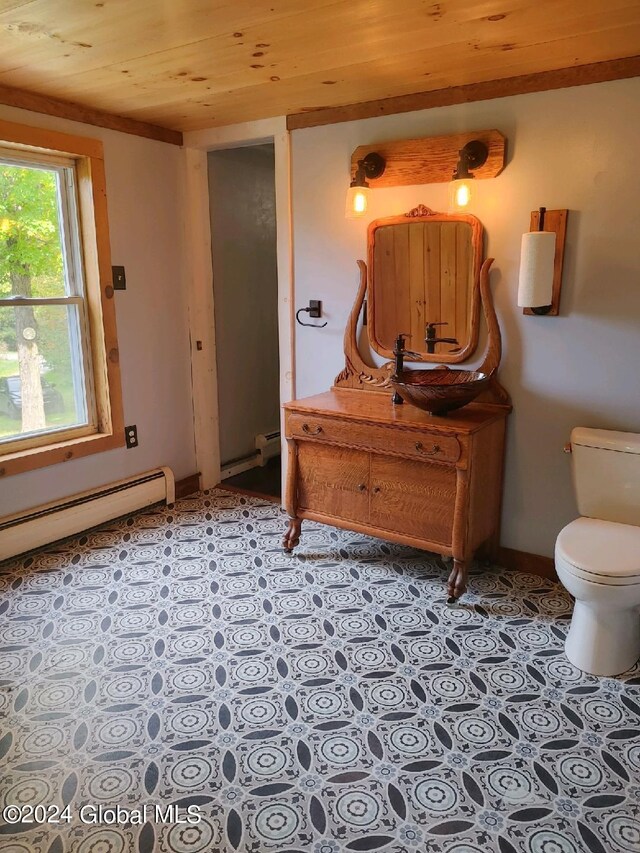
(321, 703)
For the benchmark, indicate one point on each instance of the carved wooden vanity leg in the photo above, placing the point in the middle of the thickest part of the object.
(292, 534)
(457, 583)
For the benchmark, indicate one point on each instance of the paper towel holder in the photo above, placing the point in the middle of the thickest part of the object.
(552, 220)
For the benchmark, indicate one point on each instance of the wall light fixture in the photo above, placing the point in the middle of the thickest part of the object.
(476, 155)
(473, 155)
(371, 166)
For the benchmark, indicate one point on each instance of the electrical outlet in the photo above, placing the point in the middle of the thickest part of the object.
(131, 435)
(315, 308)
(119, 278)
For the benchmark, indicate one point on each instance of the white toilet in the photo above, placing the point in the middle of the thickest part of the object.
(598, 555)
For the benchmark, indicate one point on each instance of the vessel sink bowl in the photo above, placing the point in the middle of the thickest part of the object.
(441, 390)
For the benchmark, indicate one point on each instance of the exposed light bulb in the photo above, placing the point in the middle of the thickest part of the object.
(357, 202)
(371, 166)
(473, 155)
(459, 194)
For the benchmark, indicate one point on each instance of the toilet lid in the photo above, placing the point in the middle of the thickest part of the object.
(601, 548)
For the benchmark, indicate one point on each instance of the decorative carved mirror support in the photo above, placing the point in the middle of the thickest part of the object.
(359, 374)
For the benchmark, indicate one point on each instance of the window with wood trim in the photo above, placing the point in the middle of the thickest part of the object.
(59, 377)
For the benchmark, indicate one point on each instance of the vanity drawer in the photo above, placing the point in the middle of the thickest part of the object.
(416, 444)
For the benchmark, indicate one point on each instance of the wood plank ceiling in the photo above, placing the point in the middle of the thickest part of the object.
(190, 64)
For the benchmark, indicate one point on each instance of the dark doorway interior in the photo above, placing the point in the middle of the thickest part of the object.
(245, 283)
(264, 482)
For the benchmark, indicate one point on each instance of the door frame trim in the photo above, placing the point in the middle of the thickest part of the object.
(197, 237)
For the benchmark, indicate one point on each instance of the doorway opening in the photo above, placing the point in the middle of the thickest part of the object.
(245, 286)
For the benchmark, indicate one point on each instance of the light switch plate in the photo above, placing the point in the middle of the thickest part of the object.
(119, 278)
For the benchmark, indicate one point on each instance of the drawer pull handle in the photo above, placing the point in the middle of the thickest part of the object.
(376, 489)
(421, 449)
(361, 487)
(306, 428)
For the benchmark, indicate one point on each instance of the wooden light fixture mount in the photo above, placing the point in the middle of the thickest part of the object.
(433, 159)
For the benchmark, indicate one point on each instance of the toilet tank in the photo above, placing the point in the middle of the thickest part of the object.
(606, 474)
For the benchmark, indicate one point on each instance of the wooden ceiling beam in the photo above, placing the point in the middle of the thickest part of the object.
(76, 112)
(562, 78)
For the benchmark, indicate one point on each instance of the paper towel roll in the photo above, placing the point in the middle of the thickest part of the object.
(535, 286)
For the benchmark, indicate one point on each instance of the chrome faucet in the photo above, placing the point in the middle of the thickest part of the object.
(431, 340)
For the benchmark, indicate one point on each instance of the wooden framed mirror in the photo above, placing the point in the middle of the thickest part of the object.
(424, 268)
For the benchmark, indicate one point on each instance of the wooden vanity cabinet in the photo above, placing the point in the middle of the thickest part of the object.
(360, 462)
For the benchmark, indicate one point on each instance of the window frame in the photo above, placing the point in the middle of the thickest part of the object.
(65, 169)
(107, 431)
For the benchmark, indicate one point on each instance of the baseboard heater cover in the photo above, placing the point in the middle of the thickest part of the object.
(268, 445)
(42, 525)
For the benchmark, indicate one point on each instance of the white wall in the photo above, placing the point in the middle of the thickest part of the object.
(144, 193)
(573, 148)
(245, 286)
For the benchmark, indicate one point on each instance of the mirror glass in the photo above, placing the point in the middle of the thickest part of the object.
(425, 270)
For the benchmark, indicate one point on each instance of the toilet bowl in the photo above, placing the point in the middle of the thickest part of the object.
(598, 562)
(598, 555)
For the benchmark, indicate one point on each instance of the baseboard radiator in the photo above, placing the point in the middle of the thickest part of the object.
(47, 523)
(268, 445)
